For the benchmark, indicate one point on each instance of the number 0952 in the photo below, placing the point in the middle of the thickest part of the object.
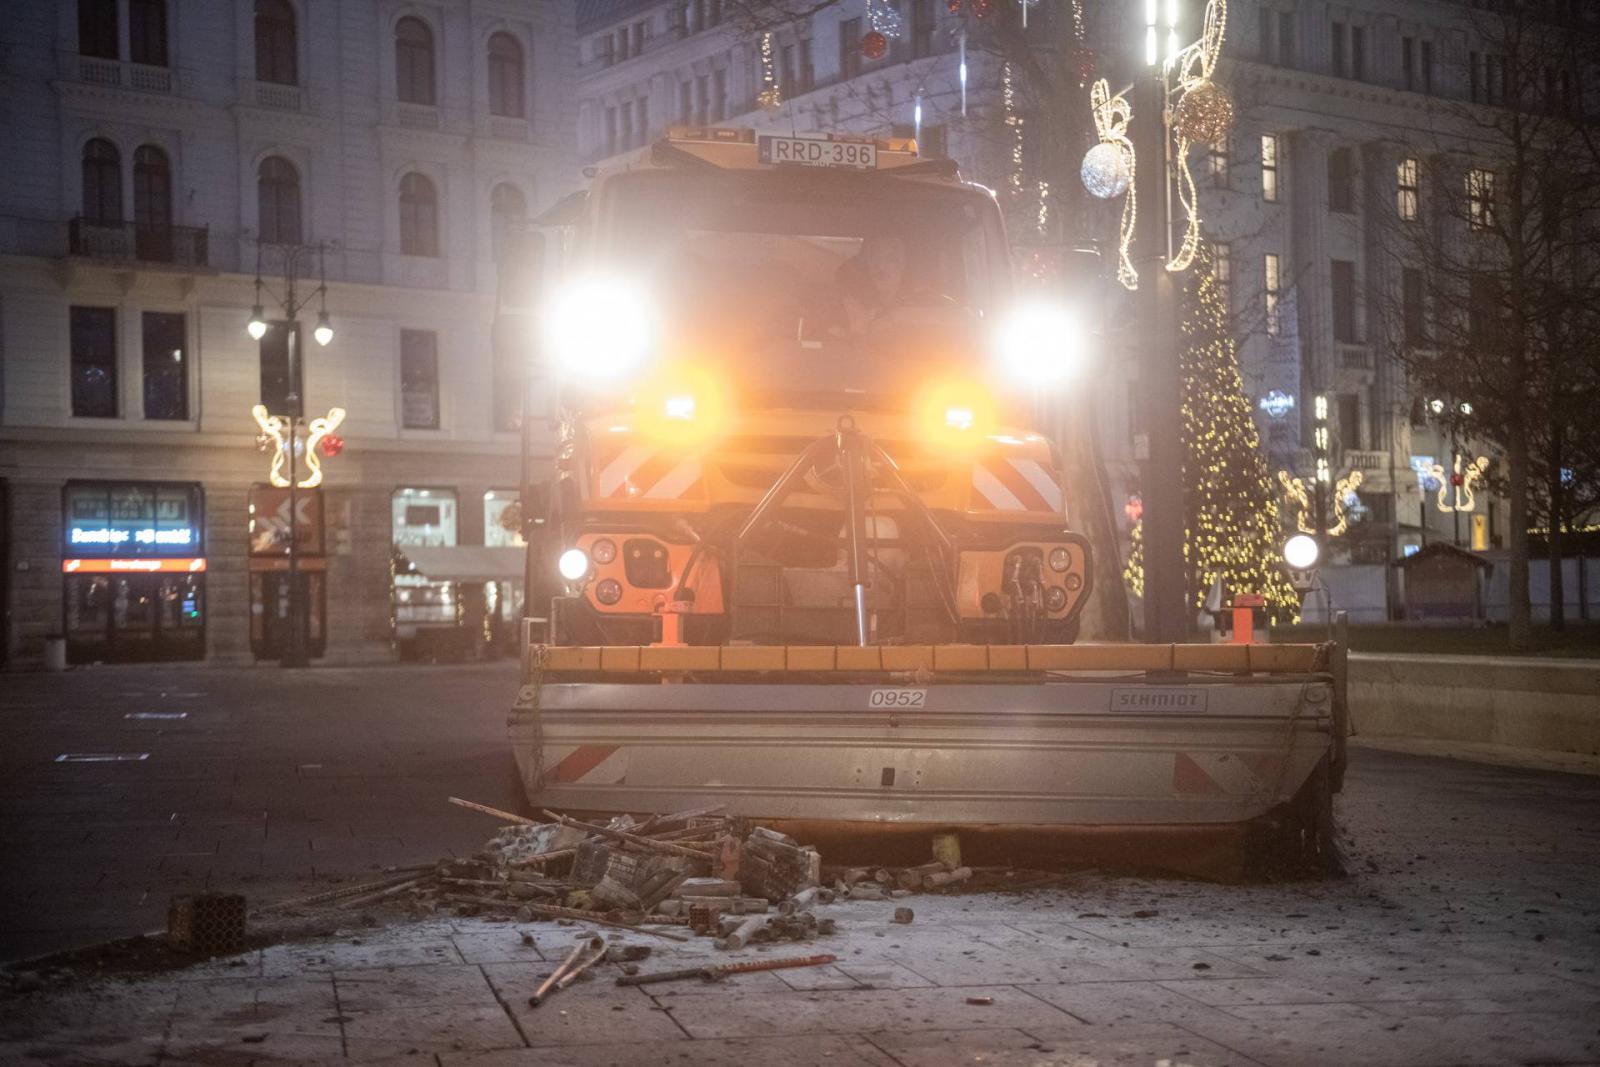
(897, 698)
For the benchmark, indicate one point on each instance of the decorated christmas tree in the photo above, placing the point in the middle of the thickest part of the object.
(1232, 530)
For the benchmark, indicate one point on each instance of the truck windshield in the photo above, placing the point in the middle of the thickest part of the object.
(776, 259)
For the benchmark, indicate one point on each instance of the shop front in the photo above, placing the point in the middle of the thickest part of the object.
(270, 576)
(133, 571)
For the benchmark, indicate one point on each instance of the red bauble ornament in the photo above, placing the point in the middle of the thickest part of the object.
(332, 445)
(874, 45)
(953, 6)
(982, 8)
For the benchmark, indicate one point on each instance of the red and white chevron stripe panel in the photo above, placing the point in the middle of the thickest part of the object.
(1000, 483)
(589, 764)
(644, 472)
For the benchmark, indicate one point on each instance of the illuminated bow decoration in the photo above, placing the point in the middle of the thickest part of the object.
(276, 430)
(1468, 480)
(1198, 106)
(1111, 117)
(1299, 499)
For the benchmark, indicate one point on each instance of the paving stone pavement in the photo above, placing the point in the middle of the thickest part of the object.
(1334, 973)
(1468, 933)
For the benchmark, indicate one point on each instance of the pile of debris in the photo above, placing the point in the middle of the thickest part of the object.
(698, 873)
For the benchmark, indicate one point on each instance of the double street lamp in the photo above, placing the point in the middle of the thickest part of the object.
(296, 263)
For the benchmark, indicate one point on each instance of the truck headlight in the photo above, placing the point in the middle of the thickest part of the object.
(1039, 345)
(599, 330)
(573, 565)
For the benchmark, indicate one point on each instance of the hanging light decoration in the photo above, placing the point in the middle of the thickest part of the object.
(884, 17)
(1201, 112)
(981, 9)
(963, 71)
(953, 6)
(1026, 5)
(1108, 169)
(770, 98)
(874, 45)
(1013, 122)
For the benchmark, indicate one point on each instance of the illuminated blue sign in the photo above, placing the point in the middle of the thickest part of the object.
(1277, 404)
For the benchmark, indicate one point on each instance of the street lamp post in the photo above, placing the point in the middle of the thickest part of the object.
(295, 653)
(1165, 597)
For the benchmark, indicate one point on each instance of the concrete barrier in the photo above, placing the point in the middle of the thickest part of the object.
(1547, 704)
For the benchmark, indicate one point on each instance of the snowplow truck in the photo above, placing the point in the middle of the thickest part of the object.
(799, 550)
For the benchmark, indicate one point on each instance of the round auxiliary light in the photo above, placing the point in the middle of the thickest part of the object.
(573, 564)
(1055, 599)
(1301, 552)
(1060, 559)
(604, 550)
(1074, 583)
(608, 592)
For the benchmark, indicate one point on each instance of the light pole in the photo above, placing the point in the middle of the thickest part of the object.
(1165, 596)
(294, 654)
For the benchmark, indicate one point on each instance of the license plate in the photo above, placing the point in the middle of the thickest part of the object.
(816, 152)
(897, 698)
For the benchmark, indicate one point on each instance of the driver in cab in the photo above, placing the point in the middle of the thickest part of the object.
(867, 288)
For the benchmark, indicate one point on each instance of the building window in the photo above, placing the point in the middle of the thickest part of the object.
(419, 216)
(1414, 323)
(166, 366)
(1350, 422)
(97, 29)
(625, 135)
(94, 362)
(1269, 168)
(147, 32)
(1273, 291)
(702, 97)
(1222, 271)
(1285, 39)
(425, 517)
(1480, 198)
(1340, 47)
(278, 201)
(1425, 51)
(152, 188)
(1343, 281)
(611, 130)
(1358, 52)
(508, 215)
(413, 61)
(1220, 162)
(1408, 62)
(934, 142)
(502, 519)
(685, 102)
(505, 77)
(849, 48)
(1341, 181)
(643, 104)
(1408, 189)
(923, 21)
(808, 70)
(102, 181)
(719, 95)
(419, 379)
(277, 58)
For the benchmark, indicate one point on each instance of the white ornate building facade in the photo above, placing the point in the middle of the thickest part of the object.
(162, 152)
(1337, 104)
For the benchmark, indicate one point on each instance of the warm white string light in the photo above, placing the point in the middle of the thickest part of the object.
(1201, 111)
(771, 97)
(1112, 114)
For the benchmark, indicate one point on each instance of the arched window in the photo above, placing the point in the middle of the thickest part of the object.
(147, 32)
(419, 216)
(508, 215)
(276, 55)
(102, 181)
(278, 201)
(505, 76)
(413, 61)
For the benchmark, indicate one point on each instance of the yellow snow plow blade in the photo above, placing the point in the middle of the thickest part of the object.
(935, 659)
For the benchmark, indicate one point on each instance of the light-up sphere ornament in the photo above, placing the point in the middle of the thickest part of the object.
(1301, 552)
(1105, 170)
(874, 44)
(884, 18)
(1205, 114)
